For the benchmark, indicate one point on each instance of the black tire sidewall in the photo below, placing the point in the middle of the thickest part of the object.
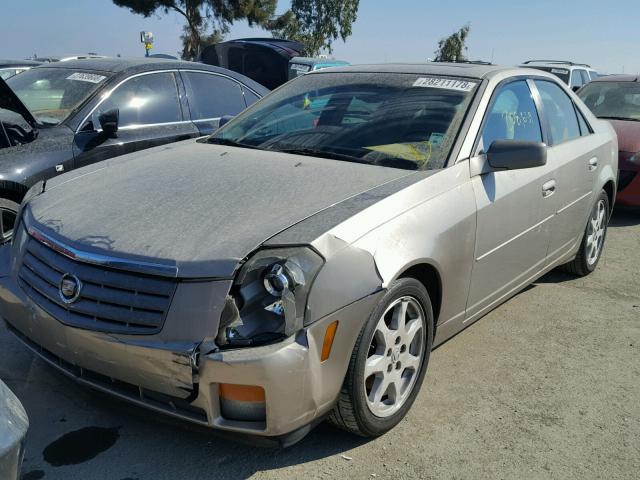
(590, 268)
(368, 423)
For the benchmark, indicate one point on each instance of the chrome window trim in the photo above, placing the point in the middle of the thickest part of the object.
(174, 70)
(106, 95)
(118, 263)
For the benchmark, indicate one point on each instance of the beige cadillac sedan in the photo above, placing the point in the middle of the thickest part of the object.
(302, 262)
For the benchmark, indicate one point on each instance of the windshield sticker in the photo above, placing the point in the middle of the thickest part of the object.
(560, 71)
(446, 83)
(86, 77)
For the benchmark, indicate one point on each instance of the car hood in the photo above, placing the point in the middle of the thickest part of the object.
(10, 101)
(628, 133)
(197, 206)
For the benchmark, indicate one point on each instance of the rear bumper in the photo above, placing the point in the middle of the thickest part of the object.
(298, 387)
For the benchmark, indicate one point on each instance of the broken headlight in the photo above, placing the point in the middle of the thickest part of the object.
(268, 299)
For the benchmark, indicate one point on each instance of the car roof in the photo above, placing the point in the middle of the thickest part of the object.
(18, 63)
(469, 70)
(131, 66)
(618, 78)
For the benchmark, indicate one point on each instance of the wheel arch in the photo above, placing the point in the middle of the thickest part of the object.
(13, 191)
(427, 274)
(610, 188)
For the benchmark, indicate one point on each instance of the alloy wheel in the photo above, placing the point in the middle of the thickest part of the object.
(395, 356)
(596, 231)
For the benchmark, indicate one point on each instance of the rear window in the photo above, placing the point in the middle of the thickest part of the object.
(561, 73)
(613, 100)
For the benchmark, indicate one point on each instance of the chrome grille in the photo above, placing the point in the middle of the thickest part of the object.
(110, 300)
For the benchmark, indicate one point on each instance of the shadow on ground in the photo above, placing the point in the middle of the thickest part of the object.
(624, 218)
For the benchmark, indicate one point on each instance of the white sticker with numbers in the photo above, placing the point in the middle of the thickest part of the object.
(445, 83)
(86, 77)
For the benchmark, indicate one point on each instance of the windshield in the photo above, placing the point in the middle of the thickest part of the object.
(51, 94)
(399, 120)
(614, 100)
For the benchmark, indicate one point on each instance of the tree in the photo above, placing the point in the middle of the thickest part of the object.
(452, 48)
(316, 23)
(200, 15)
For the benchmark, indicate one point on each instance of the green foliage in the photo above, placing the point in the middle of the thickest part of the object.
(316, 23)
(201, 15)
(452, 48)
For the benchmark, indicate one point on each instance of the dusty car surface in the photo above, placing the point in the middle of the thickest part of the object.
(327, 239)
(14, 424)
(617, 98)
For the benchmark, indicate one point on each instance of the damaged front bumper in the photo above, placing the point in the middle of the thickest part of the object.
(193, 380)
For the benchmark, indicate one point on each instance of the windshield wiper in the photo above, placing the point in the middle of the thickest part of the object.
(621, 118)
(310, 152)
(231, 143)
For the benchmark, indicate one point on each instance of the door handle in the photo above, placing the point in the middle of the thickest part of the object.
(593, 164)
(549, 188)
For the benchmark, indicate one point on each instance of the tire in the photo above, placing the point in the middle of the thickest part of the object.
(356, 404)
(587, 259)
(8, 212)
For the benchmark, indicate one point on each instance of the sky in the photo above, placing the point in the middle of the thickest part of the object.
(507, 32)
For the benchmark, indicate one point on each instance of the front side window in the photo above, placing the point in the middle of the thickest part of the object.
(212, 96)
(559, 111)
(613, 100)
(392, 119)
(145, 100)
(512, 116)
(51, 94)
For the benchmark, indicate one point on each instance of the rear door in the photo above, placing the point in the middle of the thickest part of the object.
(574, 152)
(513, 205)
(151, 114)
(211, 96)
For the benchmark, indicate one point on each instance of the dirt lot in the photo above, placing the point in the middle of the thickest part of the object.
(546, 386)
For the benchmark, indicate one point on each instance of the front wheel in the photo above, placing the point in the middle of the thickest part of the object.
(388, 362)
(592, 244)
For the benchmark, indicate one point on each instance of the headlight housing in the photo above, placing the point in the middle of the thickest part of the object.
(268, 299)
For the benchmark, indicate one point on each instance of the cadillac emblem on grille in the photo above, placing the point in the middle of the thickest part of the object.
(69, 288)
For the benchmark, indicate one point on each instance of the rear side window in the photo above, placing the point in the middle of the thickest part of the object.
(212, 96)
(584, 126)
(249, 97)
(145, 100)
(559, 111)
(579, 78)
(512, 116)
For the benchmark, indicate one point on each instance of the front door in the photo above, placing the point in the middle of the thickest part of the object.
(150, 115)
(513, 205)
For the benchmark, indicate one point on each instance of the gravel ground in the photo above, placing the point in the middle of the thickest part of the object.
(545, 386)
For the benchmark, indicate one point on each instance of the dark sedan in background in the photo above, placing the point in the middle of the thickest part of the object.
(617, 98)
(62, 116)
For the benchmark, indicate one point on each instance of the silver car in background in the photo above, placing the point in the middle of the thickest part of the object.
(14, 424)
(302, 262)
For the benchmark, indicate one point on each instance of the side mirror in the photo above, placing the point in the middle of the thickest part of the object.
(109, 122)
(575, 88)
(224, 120)
(516, 154)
